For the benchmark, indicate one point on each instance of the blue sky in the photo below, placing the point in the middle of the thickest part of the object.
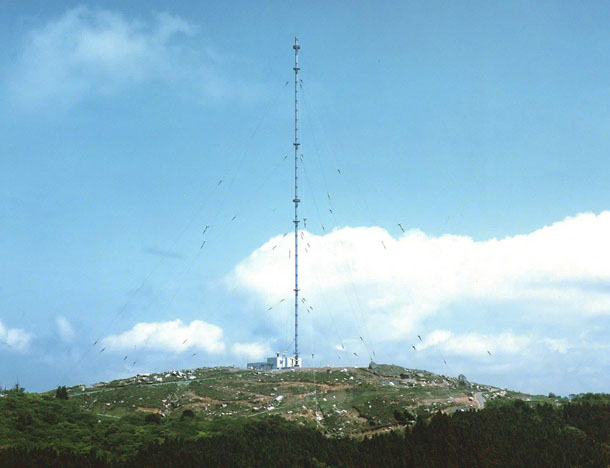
(480, 127)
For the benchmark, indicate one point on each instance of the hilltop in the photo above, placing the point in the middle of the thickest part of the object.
(338, 401)
(348, 417)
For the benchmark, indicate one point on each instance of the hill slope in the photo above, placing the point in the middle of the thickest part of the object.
(339, 401)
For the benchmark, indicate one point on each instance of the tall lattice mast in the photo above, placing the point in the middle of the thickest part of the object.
(296, 200)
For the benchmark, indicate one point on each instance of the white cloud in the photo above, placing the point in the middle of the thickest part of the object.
(356, 284)
(94, 52)
(172, 336)
(476, 344)
(14, 338)
(557, 345)
(252, 351)
(64, 328)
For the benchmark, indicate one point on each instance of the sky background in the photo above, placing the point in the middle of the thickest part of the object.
(454, 180)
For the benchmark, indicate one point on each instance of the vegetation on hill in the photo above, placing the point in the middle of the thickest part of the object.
(39, 431)
(336, 418)
(338, 401)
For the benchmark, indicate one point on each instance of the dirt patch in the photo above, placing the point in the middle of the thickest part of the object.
(453, 402)
(258, 400)
(148, 410)
(463, 401)
(307, 414)
(332, 387)
(355, 416)
(382, 430)
(198, 401)
(308, 387)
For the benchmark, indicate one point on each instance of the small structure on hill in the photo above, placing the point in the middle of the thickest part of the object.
(276, 362)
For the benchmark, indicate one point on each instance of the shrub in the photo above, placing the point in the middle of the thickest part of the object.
(187, 413)
(61, 393)
(153, 418)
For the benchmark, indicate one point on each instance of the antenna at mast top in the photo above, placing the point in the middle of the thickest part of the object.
(296, 47)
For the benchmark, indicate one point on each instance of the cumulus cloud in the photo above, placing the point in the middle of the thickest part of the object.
(364, 279)
(557, 345)
(14, 338)
(476, 344)
(65, 329)
(252, 351)
(94, 52)
(174, 336)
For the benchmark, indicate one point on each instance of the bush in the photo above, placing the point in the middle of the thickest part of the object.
(61, 393)
(187, 413)
(153, 418)
(403, 416)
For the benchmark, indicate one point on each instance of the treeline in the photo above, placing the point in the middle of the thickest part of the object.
(576, 435)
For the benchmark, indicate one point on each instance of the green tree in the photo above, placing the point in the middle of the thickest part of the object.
(61, 393)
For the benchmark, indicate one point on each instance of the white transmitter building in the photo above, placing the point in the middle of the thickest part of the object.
(276, 362)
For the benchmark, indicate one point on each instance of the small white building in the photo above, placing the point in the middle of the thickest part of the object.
(276, 362)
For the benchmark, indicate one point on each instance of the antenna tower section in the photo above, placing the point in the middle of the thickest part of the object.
(296, 201)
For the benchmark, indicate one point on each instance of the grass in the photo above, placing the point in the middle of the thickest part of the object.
(340, 401)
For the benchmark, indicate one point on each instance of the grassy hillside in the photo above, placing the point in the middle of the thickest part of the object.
(207, 415)
(338, 401)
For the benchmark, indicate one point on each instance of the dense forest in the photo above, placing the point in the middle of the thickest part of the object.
(40, 431)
